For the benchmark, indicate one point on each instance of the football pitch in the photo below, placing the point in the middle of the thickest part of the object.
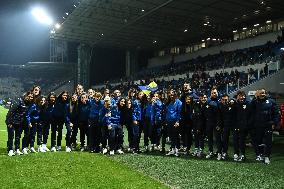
(152, 170)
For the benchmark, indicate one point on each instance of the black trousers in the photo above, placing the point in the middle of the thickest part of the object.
(94, 134)
(264, 141)
(16, 131)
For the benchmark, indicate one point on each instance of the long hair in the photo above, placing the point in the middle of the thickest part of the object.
(49, 95)
(59, 98)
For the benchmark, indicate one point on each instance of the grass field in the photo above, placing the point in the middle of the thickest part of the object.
(85, 170)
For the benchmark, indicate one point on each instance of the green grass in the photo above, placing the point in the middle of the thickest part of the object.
(83, 170)
(62, 170)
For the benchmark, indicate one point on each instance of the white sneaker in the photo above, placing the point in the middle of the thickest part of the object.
(236, 157)
(40, 149)
(210, 155)
(241, 158)
(200, 153)
(259, 158)
(53, 149)
(195, 152)
(111, 152)
(45, 148)
(59, 148)
(267, 160)
(157, 147)
(172, 152)
(224, 156)
(18, 152)
(104, 150)
(219, 156)
(33, 150)
(25, 151)
(68, 149)
(11, 153)
(119, 151)
(176, 152)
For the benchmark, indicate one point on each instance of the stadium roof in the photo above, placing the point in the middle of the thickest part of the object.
(150, 24)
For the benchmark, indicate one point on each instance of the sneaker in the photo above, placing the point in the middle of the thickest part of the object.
(210, 155)
(219, 156)
(267, 160)
(59, 148)
(68, 149)
(53, 149)
(224, 156)
(18, 152)
(241, 158)
(111, 153)
(195, 152)
(157, 147)
(25, 151)
(146, 148)
(176, 152)
(200, 153)
(236, 157)
(172, 152)
(82, 149)
(11, 153)
(40, 149)
(45, 148)
(129, 150)
(259, 158)
(104, 150)
(119, 151)
(33, 150)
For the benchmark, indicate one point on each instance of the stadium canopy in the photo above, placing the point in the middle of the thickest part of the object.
(152, 24)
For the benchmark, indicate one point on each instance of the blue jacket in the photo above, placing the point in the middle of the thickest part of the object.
(137, 110)
(114, 119)
(173, 111)
(265, 113)
(48, 113)
(83, 112)
(33, 114)
(158, 106)
(95, 107)
(61, 111)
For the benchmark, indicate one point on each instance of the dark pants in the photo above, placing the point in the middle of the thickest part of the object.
(156, 133)
(105, 136)
(239, 139)
(198, 135)
(75, 129)
(264, 136)
(16, 131)
(225, 139)
(58, 126)
(136, 138)
(45, 131)
(35, 130)
(25, 139)
(164, 136)
(210, 131)
(130, 135)
(148, 132)
(94, 134)
(186, 133)
(83, 126)
(115, 137)
(173, 133)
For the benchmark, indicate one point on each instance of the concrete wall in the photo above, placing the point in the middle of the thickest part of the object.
(241, 44)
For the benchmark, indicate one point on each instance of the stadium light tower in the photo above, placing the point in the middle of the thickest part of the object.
(41, 15)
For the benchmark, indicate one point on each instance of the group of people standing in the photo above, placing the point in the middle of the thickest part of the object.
(187, 121)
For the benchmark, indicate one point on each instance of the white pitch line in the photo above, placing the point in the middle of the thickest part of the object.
(3, 130)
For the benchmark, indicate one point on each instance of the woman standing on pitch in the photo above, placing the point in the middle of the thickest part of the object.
(15, 120)
(173, 116)
(61, 116)
(74, 120)
(127, 120)
(48, 119)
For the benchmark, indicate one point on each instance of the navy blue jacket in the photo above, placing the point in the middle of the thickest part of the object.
(16, 113)
(95, 107)
(243, 118)
(61, 111)
(227, 115)
(265, 113)
(33, 114)
(83, 112)
(198, 115)
(137, 110)
(212, 113)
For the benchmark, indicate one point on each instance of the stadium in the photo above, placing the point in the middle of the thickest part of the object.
(142, 94)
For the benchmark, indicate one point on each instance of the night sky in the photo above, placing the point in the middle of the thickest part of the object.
(22, 37)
